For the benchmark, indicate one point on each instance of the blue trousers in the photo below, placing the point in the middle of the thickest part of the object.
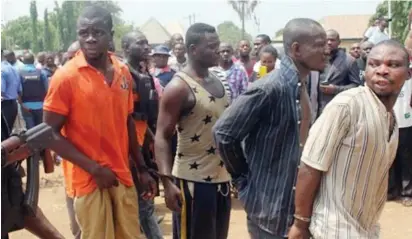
(33, 118)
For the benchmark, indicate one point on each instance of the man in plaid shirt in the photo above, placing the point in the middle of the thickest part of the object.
(236, 75)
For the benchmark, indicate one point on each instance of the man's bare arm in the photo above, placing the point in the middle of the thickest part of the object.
(307, 186)
(63, 147)
(171, 105)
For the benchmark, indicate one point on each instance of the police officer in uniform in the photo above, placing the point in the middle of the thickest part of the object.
(136, 52)
(34, 89)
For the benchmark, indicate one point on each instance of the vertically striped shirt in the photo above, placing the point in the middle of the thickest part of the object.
(267, 118)
(351, 143)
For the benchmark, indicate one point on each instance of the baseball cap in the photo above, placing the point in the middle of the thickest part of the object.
(161, 50)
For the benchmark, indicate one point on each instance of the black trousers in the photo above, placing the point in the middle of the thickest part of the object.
(400, 174)
(9, 110)
(205, 211)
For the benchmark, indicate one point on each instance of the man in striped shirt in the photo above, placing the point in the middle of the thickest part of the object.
(235, 74)
(343, 180)
(270, 121)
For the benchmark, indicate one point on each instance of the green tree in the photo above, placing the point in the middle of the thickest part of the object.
(245, 9)
(18, 33)
(48, 40)
(230, 33)
(34, 26)
(399, 23)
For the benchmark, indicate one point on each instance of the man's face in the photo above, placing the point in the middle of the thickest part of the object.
(139, 48)
(11, 58)
(387, 70)
(50, 60)
(244, 48)
(258, 44)
(160, 60)
(383, 24)
(333, 41)
(206, 53)
(179, 50)
(226, 53)
(365, 49)
(94, 37)
(354, 50)
(311, 52)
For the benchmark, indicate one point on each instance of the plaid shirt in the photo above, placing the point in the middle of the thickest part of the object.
(237, 78)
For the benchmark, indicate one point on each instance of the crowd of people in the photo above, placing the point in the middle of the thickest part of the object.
(308, 136)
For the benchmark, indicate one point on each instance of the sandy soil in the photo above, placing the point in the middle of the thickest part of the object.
(396, 221)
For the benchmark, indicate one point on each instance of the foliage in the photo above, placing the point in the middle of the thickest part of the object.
(57, 30)
(245, 9)
(399, 23)
(230, 33)
(34, 27)
(48, 41)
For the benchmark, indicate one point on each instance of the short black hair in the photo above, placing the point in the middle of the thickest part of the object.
(265, 38)
(333, 31)
(396, 44)
(298, 30)
(129, 37)
(28, 58)
(269, 49)
(196, 33)
(95, 11)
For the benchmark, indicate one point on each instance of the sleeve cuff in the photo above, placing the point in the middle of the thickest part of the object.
(55, 110)
(314, 165)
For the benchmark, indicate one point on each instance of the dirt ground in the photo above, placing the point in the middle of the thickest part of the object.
(396, 221)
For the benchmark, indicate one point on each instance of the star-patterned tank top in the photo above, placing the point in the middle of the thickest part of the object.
(197, 158)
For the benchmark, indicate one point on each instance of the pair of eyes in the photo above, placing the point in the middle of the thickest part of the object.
(94, 32)
(391, 64)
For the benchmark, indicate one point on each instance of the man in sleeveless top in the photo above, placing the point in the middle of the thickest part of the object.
(196, 181)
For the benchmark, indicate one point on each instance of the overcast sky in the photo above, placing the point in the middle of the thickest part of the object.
(273, 14)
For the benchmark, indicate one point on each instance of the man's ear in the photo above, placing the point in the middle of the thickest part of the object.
(112, 33)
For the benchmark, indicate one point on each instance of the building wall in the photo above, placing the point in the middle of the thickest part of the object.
(346, 43)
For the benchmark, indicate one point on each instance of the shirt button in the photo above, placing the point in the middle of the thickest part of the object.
(300, 145)
(294, 188)
(299, 84)
(297, 101)
(299, 122)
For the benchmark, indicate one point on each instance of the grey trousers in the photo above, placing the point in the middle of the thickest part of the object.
(256, 232)
(74, 226)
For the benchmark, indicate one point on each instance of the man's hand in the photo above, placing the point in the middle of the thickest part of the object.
(25, 109)
(299, 232)
(104, 177)
(146, 185)
(328, 89)
(173, 196)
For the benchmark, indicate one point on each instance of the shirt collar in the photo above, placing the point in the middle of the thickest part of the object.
(81, 62)
(288, 70)
(373, 98)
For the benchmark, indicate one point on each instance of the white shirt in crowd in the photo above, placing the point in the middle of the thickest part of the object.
(349, 144)
(375, 35)
(402, 108)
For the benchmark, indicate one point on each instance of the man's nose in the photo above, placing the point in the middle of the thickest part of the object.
(383, 69)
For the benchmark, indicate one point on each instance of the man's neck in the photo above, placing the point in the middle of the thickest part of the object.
(181, 59)
(101, 63)
(245, 59)
(302, 70)
(134, 64)
(226, 64)
(198, 70)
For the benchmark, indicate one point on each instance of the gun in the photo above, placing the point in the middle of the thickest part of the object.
(30, 145)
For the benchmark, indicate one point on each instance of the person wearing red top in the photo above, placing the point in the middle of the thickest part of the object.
(244, 57)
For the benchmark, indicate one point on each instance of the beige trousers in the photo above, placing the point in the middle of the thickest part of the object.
(109, 214)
